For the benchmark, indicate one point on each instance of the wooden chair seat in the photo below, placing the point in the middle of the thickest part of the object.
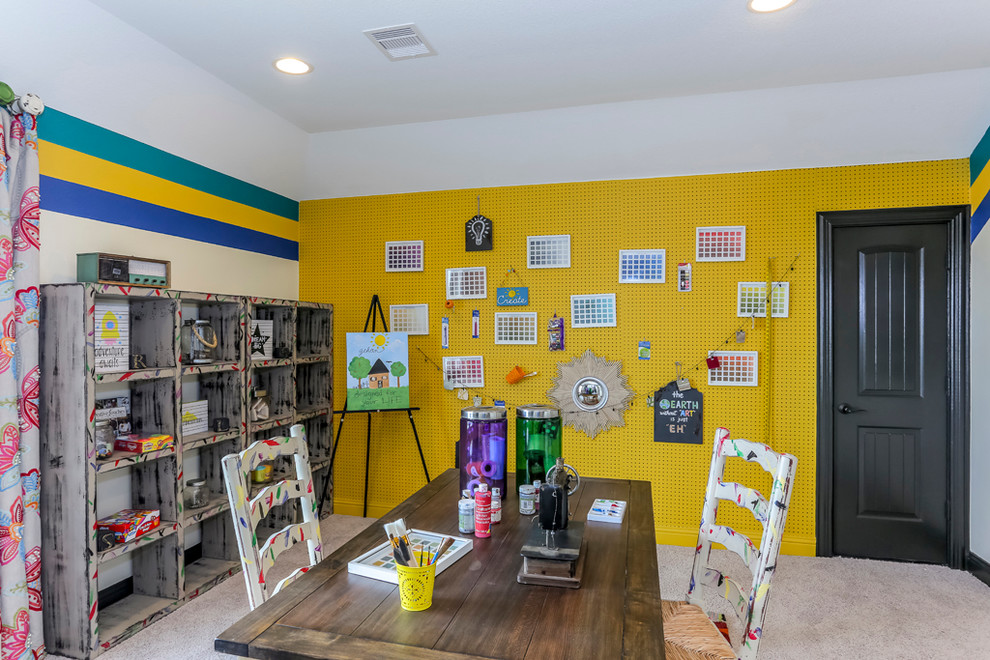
(690, 635)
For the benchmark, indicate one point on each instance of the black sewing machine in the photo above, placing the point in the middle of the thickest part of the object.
(552, 553)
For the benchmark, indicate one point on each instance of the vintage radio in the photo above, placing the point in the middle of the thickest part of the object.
(118, 269)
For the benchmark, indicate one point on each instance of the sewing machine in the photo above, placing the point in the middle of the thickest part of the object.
(553, 552)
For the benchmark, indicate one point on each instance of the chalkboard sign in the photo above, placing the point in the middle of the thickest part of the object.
(677, 415)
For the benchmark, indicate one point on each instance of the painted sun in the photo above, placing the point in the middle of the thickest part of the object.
(380, 340)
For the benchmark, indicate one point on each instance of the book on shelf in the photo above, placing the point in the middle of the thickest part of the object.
(111, 346)
(117, 411)
(610, 511)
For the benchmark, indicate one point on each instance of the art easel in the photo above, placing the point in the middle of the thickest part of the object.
(376, 306)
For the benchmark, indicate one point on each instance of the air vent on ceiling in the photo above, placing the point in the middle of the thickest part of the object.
(400, 42)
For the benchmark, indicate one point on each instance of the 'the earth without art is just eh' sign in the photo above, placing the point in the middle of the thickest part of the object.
(677, 415)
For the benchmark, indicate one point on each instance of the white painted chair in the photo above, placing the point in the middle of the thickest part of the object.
(248, 511)
(688, 631)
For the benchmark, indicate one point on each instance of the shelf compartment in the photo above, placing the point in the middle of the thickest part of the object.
(207, 438)
(122, 459)
(313, 385)
(206, 573)
(226, 315)
(283, 317)
(314, 330)
(153, 405)
(212, 367)
(153, 330)
(279, 383)
(129, 616)
(164, 530)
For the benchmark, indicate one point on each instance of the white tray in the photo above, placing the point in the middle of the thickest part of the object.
(379, 564)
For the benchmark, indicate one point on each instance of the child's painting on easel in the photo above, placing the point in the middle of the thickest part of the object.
(377, 370)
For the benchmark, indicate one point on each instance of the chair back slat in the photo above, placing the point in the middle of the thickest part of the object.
(248, 512)
(748, 498)
(735, 541)
(729, 590)
(274, 495)
(762, 561)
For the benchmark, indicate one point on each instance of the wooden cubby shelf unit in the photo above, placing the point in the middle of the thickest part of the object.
(76, 623)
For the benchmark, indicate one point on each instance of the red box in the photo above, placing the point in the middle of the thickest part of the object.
(129, 524)
(142, 445)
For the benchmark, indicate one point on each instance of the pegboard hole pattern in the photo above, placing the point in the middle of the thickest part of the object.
(779, 210)
(737, 368)
(642, 266)
(593, 311)
(402, 256)
(515, 328)
(465, 283)
(720, 244)
(463, 371)
(411, 319)
(548, 251)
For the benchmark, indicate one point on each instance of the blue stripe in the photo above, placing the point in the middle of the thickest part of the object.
(74, 199)
(79, 135)
(979, 218)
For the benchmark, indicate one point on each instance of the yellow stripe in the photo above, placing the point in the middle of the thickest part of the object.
(980, 187)
(77, 167)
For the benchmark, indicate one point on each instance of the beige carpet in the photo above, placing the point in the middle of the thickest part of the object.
(820, 609)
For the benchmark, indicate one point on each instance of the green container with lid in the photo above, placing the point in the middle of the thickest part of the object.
(537, 442)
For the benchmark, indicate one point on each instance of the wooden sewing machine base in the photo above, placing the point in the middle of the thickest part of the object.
(562, 566)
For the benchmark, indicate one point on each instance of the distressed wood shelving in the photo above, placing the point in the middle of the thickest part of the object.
(300, 382)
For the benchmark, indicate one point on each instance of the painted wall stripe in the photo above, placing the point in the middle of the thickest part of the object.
(74, 133)
(980, 156)
(67, 164)
(980, 187)
(74, 199)
(979, 214)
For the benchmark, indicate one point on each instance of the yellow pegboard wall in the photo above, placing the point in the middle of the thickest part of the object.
(342, 247)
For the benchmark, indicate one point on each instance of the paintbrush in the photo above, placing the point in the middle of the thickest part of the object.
(444, 545)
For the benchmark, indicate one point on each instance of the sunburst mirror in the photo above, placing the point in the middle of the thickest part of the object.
(591, 393)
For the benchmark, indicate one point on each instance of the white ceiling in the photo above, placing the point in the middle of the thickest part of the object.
(508, 56)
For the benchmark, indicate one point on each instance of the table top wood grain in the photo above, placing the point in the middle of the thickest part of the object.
(479, 610)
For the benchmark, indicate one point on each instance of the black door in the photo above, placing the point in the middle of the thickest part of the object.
(890, 444)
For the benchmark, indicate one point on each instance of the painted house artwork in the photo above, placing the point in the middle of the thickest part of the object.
(378, 378)
(376, 367)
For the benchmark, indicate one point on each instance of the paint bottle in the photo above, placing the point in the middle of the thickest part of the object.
(465, 516)
(482, 512)
(527, 497)
(496, 506)
(536, 496)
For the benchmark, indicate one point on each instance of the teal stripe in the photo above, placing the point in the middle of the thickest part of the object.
(72, 133)
(978, 160)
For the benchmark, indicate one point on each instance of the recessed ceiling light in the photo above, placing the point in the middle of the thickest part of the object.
(764, 6)
(292, 65)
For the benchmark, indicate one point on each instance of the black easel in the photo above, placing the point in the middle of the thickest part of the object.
(376, 305)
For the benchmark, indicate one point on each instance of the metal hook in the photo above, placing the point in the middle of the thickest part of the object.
(678, 370)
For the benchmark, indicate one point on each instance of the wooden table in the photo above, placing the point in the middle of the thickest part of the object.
(479, 610)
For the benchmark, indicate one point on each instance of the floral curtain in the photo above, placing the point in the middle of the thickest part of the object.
(20, 447)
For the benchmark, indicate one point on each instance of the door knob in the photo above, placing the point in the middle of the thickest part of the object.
(845, 409)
